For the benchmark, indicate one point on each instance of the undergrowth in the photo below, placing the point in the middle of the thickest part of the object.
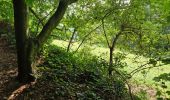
(81, 76)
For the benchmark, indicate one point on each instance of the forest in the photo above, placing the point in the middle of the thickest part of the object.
(84, 49)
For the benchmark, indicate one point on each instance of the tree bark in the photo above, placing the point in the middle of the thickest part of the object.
(21, 35)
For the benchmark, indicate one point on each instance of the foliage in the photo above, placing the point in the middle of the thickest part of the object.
(162, 88)
(89, 73)
(145, 27)
(6, 30)
(6, 10)
(142, 95)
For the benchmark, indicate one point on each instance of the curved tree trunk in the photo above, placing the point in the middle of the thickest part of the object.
(112, 48)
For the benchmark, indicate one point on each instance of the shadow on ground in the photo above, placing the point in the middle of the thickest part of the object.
(164, 76)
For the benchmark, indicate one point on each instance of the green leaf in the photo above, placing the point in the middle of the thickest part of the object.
(153, 62)
(164, 86)
(160, 98)
(29, 2)
(166, 60)
(158, 93)
(168, 92)
(168, 19)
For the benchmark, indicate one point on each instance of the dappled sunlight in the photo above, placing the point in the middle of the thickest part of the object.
(133, 61)
(20, 90)
(84, 50)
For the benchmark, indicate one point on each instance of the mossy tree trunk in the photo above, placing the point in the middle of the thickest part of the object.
(27, 47)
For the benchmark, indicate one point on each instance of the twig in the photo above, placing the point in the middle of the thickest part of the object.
(126, 82)
(146, 68)
(138, 68)
(104, 32)
(86, 37)
(71, 39)
(41, 19)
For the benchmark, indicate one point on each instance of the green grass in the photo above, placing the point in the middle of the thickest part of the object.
(139, 77)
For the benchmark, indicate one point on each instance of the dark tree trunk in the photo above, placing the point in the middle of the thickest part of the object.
(21, 35)
(112, 47)
(111, 60)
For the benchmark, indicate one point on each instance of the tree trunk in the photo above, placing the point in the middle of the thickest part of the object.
(71, 39)
(112, 47)
(25, 45)
(52, 22)
(21, 35)
(110, 61)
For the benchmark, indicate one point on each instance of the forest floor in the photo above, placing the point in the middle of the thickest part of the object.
(10, 89)
(8, 69)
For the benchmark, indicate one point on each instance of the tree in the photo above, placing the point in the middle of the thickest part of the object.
(27, 46)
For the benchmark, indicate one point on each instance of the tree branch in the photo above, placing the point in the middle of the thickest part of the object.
(104, 31)
(126, 82)
(52, 22)
(140, 67)
(86, 37)
(143, 68)
(35, 14)
(40, 19)
(71, 39)
(115, 39)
